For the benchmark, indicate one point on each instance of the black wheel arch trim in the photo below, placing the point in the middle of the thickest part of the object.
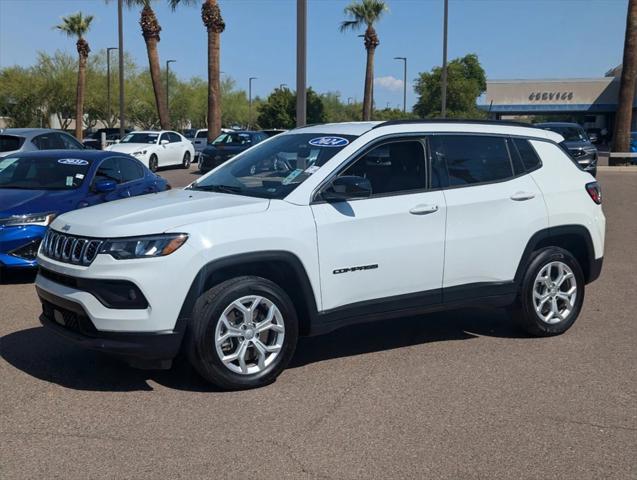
(199, 283)
(591, 271)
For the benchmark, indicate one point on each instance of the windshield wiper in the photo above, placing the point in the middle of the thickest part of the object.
(218, 188)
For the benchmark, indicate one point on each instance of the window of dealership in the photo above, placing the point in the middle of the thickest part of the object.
(592, 102)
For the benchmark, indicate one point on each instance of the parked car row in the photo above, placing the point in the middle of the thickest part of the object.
(37, 186)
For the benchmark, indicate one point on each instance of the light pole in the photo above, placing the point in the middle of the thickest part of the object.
(108, 83)
(443, 77)
(120, 46)
(250, 101)
(404, 60)
(168, 62)
(301, 62)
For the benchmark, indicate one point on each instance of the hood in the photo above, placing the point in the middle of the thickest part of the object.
(575, 144)
(129, 147)
(156, 213)
(23, 201)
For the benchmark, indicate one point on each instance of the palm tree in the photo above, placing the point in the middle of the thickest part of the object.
(365, 13)
(627, 83)
(77, 25)
(213, 21)
(150, 32)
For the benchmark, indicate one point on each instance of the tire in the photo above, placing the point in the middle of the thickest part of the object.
(257, 369)
(185, 163)
(540, 297)
(152, 163)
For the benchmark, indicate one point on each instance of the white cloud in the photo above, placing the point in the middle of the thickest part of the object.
(390, 83)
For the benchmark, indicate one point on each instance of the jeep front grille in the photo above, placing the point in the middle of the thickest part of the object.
(69, 248)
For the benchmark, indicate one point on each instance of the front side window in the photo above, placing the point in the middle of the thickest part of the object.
(273, 169)
(472, 159)
(232, 139)
(37, 173)
(174, 137)
(392, 167)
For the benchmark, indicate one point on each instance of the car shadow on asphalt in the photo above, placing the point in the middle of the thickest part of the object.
(41, 354)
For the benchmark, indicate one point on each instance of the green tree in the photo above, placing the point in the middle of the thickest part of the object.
(21, 97)
(76, 26)
(366, 13)
(466, 81)
(55, 89)
(279, 110)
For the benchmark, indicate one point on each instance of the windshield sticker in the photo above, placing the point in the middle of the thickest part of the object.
(290, 178)
(312, 169)
(69, 181)
(79, 176)
(72, 161)
(329, 142)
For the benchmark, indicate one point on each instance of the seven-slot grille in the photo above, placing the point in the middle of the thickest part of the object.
(69, 248)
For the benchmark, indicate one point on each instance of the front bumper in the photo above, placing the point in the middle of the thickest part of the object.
(19, 245)
(70, 321)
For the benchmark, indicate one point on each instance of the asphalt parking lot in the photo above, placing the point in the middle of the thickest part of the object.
(459, 395)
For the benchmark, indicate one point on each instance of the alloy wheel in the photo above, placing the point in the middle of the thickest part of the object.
(249, 334)
(554, 292)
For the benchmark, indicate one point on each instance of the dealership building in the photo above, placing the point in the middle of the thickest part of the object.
(592, 102)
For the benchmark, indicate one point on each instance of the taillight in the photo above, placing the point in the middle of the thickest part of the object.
(595, 191)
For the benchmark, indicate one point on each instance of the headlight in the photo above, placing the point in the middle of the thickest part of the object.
(41, 219)
(139, 152)
(144, 247)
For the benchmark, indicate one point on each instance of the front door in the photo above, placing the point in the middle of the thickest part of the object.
(387, 245)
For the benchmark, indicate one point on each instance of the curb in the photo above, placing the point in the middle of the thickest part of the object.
(629, 168)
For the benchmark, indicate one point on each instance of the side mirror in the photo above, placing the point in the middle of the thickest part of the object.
(105, 186)
(164, 142)
(346, 188)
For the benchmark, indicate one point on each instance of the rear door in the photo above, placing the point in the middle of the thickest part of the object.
(493, 209)
(390, 244)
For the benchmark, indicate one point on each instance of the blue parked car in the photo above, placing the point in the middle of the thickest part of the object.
(35, 187)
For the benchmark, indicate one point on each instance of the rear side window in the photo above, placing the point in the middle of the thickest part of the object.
(130, 170)
(203, 134)
(472, 159)
(108, 170)
(529, 156)
(9, 143)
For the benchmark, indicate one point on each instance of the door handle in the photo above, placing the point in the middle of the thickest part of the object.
(522, 196)
(423, 209)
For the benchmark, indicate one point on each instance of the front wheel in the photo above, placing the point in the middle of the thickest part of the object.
(243, 333)
(185, 163)
(552, 293)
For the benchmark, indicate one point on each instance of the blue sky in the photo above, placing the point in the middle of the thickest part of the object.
(513, 39)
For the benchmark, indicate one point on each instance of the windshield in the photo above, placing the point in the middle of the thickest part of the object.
(140, 138)
(9, 143)
(37, 173)
(274, 168)
(570, 134)
(232, 139)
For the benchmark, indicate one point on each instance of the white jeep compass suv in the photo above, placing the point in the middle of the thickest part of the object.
(322, 227)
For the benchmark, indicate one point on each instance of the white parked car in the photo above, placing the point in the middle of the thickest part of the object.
(322, 227)
(157, 148)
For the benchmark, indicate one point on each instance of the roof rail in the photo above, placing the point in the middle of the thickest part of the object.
(454, 120)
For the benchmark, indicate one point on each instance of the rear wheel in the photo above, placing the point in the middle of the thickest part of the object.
(243, 333)
(152, 163)
(552, 293)
(185, 163)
